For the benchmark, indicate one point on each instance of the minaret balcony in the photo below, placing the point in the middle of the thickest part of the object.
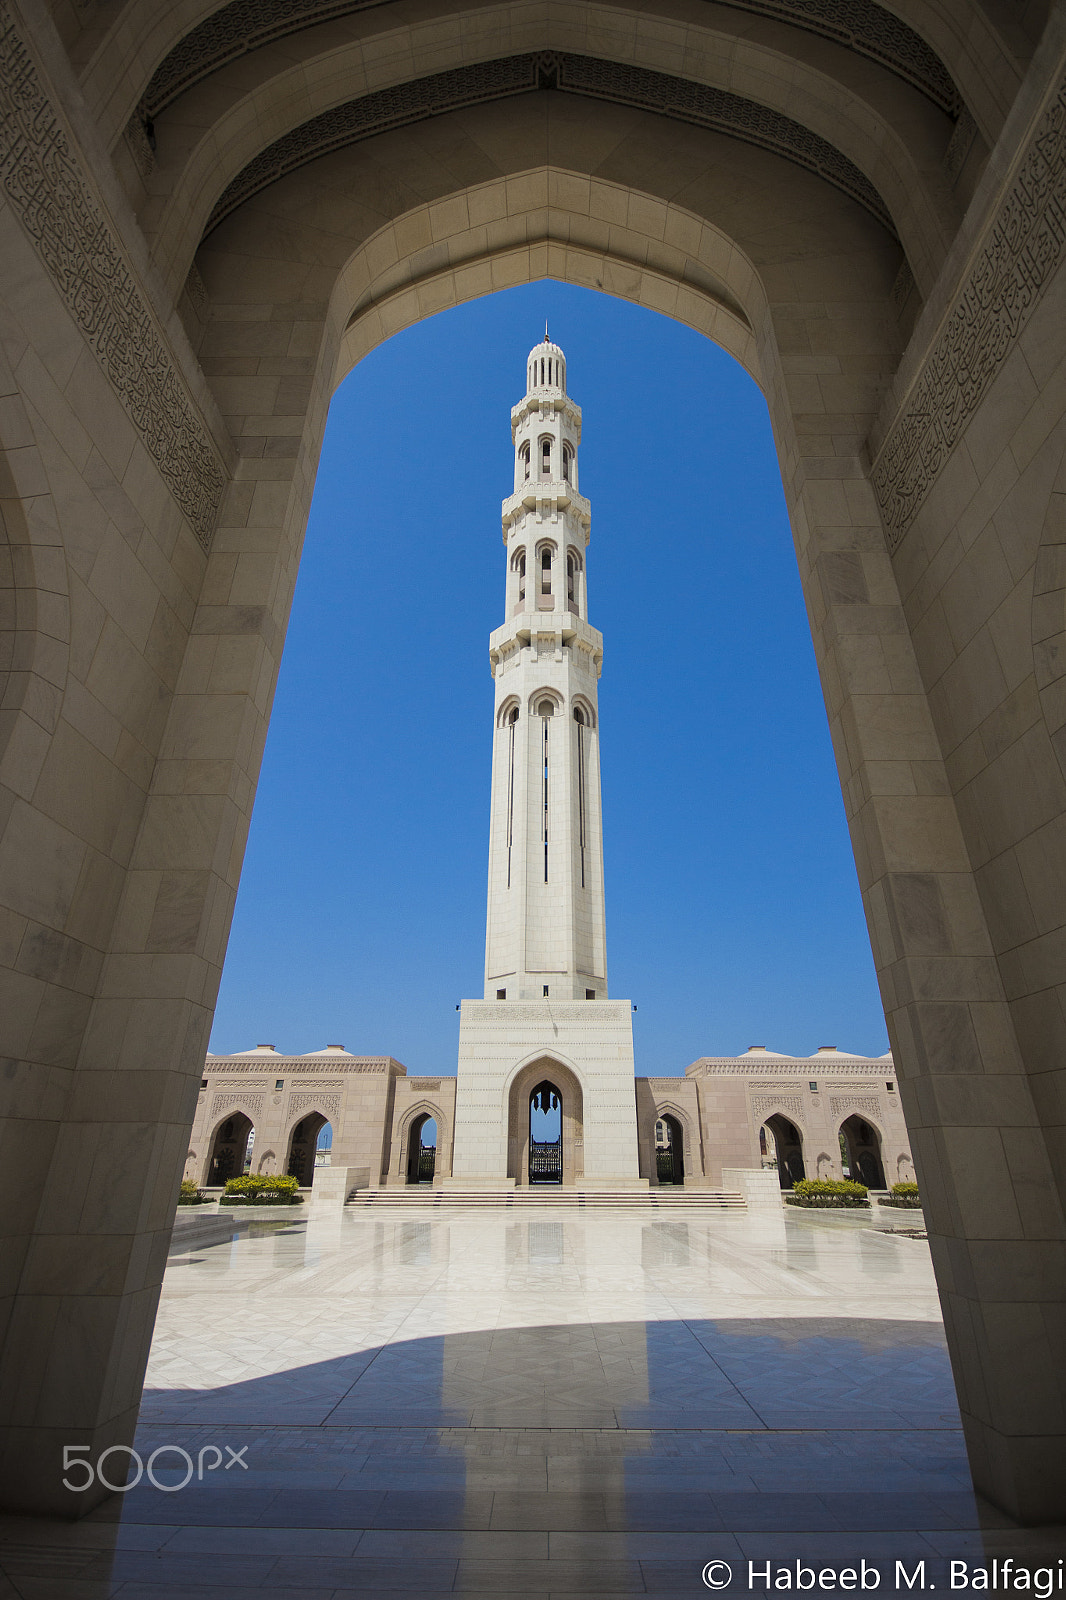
(547, 402)
(565, 626)
(547, 494)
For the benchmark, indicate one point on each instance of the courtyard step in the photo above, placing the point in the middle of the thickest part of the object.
(662, 1199)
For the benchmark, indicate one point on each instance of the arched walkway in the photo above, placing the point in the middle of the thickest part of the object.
(231, 1150)
(787, 1141)
(303, 1148)
(180, 312)
(862, 1142)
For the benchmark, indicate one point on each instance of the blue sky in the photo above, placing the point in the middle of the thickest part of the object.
(733, 913)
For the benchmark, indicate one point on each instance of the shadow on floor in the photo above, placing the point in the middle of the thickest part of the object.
(596, 1459)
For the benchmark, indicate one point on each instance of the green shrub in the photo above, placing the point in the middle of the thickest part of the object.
(828, 1192)
(904, 1195)
(190, 1195)
(905, 1189)
(262, 1189)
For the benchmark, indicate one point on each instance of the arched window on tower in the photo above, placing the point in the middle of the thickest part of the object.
(518, 567)
(568, 463)
(579, 718)
(523, 456)
(545, 458)
(546, 710)
(571, 583)
(512, 728)
(544, 597)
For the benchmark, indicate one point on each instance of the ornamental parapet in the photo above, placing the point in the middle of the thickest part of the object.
(548, 496)
(548, 402)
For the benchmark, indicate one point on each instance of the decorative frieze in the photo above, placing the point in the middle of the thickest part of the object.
(250, 1103)
(619, 82)
(764, 1105)
(860, 25)
(843, 1105)
(61, 215)
(314, 1100)
(1005, 282)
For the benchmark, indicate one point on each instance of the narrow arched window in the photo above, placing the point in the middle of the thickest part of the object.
(521, 578)
(571, 585)
(568, 458)
(545, 458)
(545, 571)
(546, 711)
(523, 456)
(579, 718)
(512, 728)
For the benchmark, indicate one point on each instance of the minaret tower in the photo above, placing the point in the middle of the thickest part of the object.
(545, 1028)
(545, 931)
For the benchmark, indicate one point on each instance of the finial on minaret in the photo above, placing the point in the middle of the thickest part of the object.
(546, 339)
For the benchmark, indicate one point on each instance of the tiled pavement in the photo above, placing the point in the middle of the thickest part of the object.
(588, 1403)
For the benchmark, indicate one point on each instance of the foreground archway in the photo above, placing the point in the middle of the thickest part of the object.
(170, 357)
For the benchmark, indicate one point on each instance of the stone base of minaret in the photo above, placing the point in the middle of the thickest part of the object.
(584, 1050)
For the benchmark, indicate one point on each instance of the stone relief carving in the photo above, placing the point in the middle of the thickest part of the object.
(620, 83)
(328, 1104)
(250, 1103)
(843, 1105)
(140, 145)
(859, 25)
(60, 214)
(1023, 249)
(764, 1105)
(959, 145)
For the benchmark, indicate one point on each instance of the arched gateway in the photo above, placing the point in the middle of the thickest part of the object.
(870, 222)
(545, 1090)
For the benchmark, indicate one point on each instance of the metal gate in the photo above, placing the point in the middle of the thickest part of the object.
(427, 1163)
(546, 1160)
(664, 1166)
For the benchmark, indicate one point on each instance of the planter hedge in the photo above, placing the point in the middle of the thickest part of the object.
(828, 1193)
(190, 1195)
(262, 1189)
(903, 1195)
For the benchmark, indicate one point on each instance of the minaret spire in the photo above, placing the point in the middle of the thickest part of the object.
(545, 1026)
(546, 926)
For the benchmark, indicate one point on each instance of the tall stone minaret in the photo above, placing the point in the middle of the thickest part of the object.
(545, 1020)
(545, 929)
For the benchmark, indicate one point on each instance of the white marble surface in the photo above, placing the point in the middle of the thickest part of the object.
(477, 1402)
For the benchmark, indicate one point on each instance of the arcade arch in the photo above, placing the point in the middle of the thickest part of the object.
(913, 586)
(781, 1141)
(669, 1150)
(421, 1149)
(861, 1139)
(550, 1080)
(304, 1139)
(230, 1150)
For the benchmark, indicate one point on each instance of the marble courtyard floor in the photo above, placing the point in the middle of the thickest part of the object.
(594, 1403)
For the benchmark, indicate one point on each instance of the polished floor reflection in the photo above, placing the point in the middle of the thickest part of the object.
(583, 1403)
